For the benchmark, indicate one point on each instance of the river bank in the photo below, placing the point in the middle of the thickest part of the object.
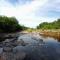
(4, 36)
(55, 33)
(51, 33)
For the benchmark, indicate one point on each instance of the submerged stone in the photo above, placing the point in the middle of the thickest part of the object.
(7, 49)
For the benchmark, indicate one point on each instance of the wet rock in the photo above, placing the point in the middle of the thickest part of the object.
(13, 40)
(1, 44)
(6, 44)
(7, 49)
(7, 56)
(41, 40)
(20, 55)
(34, 38)
(14, 44)
(6, 41)
(21, 42)
(1, 50)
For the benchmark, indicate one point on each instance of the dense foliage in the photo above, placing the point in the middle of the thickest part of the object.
(52, 25)
(10, 24)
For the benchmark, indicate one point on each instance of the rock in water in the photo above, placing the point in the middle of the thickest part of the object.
(7, 49)
(1, 50)
(40, 40)
(20, 56)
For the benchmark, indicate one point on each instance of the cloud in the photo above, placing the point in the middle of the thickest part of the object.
(51, 9)
(30, 12)
(21, 10)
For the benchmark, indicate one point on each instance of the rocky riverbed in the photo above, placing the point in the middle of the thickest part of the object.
(29, 47)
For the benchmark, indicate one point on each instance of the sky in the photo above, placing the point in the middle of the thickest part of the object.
(31, 12)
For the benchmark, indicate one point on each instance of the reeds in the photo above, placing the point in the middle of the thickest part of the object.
(51, 33)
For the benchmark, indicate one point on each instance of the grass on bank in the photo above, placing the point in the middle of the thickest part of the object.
(46, 32)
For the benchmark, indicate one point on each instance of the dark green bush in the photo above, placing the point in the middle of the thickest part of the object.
(9, 24)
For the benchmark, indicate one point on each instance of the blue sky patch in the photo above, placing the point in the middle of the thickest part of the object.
(19, 1)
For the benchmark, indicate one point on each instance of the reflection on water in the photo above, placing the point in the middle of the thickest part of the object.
(50, 37)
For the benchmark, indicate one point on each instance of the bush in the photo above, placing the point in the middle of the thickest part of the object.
(9, 24)
(52, 25)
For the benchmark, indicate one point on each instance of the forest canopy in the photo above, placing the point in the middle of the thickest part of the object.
(51, 25)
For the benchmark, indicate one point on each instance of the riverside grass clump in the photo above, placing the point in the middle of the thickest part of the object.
(52, 33)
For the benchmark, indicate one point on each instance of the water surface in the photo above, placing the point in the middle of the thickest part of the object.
(31, 46)
(39, 47)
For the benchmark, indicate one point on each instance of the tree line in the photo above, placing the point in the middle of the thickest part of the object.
(10, 24)
(51, 25)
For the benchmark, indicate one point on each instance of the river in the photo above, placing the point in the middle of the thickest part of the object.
(32, 46)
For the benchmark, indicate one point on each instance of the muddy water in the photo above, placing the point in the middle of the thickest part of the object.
(32, 47)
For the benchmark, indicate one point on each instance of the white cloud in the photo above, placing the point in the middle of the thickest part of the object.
(22, 10)
(52, 5)
(24, 13)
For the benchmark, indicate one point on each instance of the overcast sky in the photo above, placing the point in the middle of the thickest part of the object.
(31, 12)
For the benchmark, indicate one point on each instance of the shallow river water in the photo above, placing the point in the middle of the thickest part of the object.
(35, 47)
(39, 47)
